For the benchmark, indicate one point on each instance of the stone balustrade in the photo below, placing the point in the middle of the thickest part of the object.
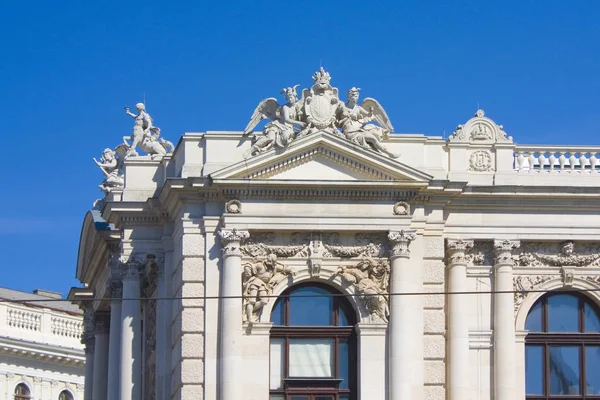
(557, 159)
(44, 326)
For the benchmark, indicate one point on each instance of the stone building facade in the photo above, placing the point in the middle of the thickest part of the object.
(41, 355)
(327, 258)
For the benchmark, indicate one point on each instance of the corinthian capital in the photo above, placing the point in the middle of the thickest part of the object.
(503, 250)
(400, 241)
(457, 250)
(231, 240)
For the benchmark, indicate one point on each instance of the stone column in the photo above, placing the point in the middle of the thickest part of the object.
(230, 358)
(161, 343)
(100, 357)
(131, 334)
(458, 323)
(114, 342)
(401, 321)
(88, 341)
(504, 321)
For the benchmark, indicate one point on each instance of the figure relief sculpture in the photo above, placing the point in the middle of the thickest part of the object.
(111, 164)
(258, 281)
(320, 110)
(372, 280)
(285, 121)
(354, 120)
(145, 134)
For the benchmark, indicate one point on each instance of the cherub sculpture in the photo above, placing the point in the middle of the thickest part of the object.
(145, 134)
(372, 279)
(111, 164)
(354, 120)
(258, 280)
(285, 121)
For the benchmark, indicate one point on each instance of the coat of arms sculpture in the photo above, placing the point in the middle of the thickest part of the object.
(320, 110)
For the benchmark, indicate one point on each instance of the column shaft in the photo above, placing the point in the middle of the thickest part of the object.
(504, 325)
(131, 335)
(401, 318)
(458, 325)
(88, 341)
(100, 359)
(114, 344)
(230, 363)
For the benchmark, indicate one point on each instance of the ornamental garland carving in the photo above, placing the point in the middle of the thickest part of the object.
(522, 284)
(258, 280)
(369, 244)
(371, 278)
(261, 245)
(558, 255)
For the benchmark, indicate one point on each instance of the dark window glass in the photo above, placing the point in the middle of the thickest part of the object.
(277, 313)
(343, 319)
(534, 370)
(344, 364)
(534, 319)
(564, 370)
(592, 358)
(22, 392)
(562, 313)
(308, 310)
(592, 319)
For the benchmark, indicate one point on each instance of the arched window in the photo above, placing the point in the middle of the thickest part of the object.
(65, 395)
(22, 392)
(313, 345)
(562, 348)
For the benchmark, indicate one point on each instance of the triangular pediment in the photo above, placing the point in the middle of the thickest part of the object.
(323, 157)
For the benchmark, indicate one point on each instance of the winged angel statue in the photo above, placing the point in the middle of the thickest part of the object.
(320, 110)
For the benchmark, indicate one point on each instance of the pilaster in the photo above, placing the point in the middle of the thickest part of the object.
(504, 326)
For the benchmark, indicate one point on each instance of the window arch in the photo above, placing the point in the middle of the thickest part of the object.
(22, 392)
(313, 345)
(562, 348)
(65, 395)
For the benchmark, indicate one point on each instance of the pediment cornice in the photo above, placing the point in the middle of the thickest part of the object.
(357, 162)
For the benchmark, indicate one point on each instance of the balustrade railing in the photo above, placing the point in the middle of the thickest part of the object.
(25, 320)
(555, 159)
(44, 325)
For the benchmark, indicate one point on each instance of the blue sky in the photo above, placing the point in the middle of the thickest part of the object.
(68, 68)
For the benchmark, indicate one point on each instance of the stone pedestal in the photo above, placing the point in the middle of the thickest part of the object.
(458, 324)
(401, 340)
(230, 360)
(504, 325)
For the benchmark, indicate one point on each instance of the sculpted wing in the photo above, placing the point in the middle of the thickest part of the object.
(379, 114)
(265, 109)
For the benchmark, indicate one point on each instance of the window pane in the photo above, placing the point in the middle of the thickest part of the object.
(323, 397)
(277, 313)
(592, 355)
(564, 370)
(592, 320)
(313, 311)
(276, 397)
(344, 397)
(563, 313)
(344, 371)
(299, 397)
(534, 319)
(277, 353)
(343, 319)
(311, 358)
(534, 368)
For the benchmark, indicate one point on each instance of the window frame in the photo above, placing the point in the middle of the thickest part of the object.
(308, 386)
(546, 340)
(22, 396)
(67, 393)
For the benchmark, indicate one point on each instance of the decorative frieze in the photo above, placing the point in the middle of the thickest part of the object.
(559, 255)
(371, 278)
(262, 244)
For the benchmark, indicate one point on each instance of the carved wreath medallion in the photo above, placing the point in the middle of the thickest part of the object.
(480, 161)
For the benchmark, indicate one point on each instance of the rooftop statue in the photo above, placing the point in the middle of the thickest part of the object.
(355, 121)
(145, 134)
(284, 121)
(320, 110)
(111, 164)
